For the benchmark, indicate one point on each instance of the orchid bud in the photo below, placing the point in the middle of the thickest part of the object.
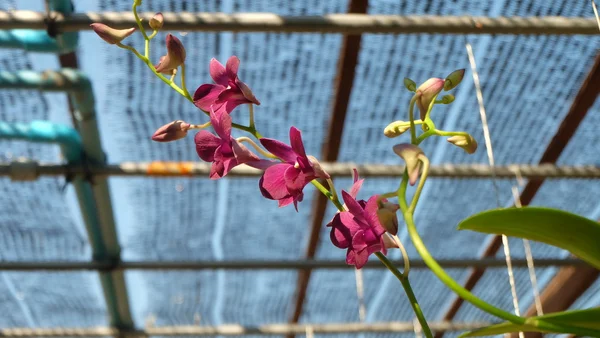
(171, 131)
(175, 56)
(396, 128)
(467, 142)
(410, 84)
(410, 154)
(454, 79)
(319, 171)
(426, 92)
(387, 217)
(111, 35)
(157, 21)
(447, 99)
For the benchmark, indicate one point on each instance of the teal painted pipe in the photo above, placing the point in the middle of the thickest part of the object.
(39, 40)
(70, 144)
(94, 199)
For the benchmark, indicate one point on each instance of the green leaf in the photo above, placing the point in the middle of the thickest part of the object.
(568, 231)
(581, 322)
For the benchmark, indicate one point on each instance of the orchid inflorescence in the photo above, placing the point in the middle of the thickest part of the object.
(362, 227)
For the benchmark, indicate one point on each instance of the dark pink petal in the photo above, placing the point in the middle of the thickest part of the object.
(351, 222)
(286, 201)
(356, 187)
(352, 204)
(242, 154)
(206, 95)
(279, 149)
(296, 142)
(217, 72)
(228, 164)
(216, 170)
(232, 98)
(357, 258)
(231, 68)
(206, 144)
(221, 122)
(340, 235)
(260, 164)
(359, 241)
(247, 92)
(272, 183)
(295, 180)
(371, 216)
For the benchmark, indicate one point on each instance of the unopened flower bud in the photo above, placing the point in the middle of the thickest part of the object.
(454, 79)
(447, 99)
(111, 35)
(396, 128)
(467, 142)
(157, 21)
(175, 56)
(171, 131)
(410, 154)
(426, 92)
(319, 171)
(410, 84)
(387, 217)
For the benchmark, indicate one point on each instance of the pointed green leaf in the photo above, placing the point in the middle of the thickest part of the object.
(500, 329)
(582, 322)
(568, 231)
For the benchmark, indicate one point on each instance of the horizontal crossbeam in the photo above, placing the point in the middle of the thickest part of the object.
(238, 330)
(331, 23)
(270, 265)
(31, 170)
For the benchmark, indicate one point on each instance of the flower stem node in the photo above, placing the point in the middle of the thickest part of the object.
(111, 35)
(175, 56)
(157, 21)
(454, 79)
(171, 131)
(410, 154)
(396, 129)
(426, 93)
(467, 142)
(410, 84)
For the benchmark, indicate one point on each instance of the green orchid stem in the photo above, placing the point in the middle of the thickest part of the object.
(183, 87)
(251, 115)
(430, 108)
(451, 133)
(330, 196)
(255, 146)
(139, 21)
(152, 35)
(451, 283)
(200, 126)
(411, 117)
(415, 199)
(409, 293)
(402, 192)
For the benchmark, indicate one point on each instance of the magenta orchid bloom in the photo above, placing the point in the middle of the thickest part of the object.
(359, 229)
(228, 92)
(222, 150)
(284, 181)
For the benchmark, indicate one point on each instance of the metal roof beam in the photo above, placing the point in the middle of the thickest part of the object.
(330, 23)
(348, 60)
(106, 265)
(14, 169)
